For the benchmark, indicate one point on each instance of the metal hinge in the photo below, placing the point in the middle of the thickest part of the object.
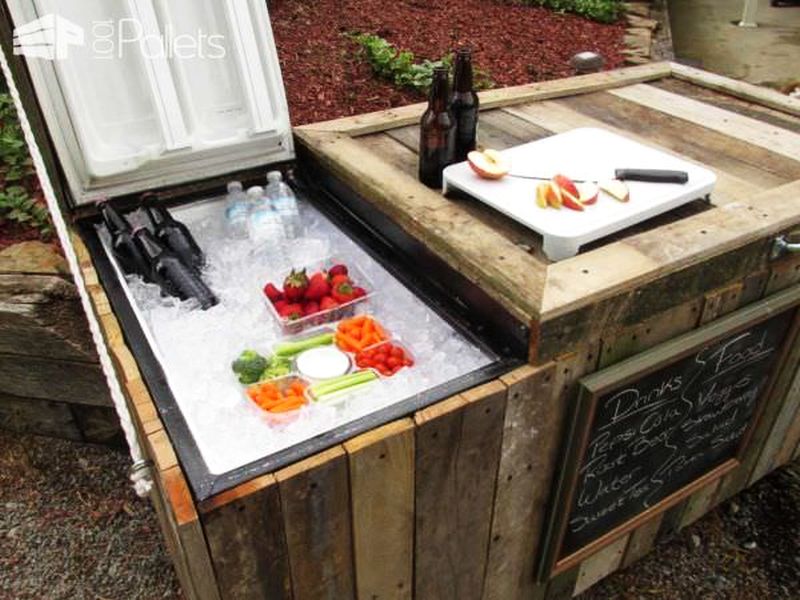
(781, 246)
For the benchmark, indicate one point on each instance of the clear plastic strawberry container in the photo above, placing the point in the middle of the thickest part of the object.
(342, 311)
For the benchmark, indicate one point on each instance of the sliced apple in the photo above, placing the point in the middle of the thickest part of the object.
(488, 164)
(567, 185)
(588, 193)
(554, 195)
(541, 194)
(617, 189)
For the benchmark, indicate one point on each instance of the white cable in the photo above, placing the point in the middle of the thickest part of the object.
(140, 473)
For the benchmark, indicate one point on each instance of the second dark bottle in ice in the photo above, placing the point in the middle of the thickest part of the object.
(174, 276)
(173, 234)
(464, 105)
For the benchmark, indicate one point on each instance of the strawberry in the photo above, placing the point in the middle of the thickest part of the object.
(273, 293)
(310, 308)
(343, 292)
(327, 303)
(292, 311)
(280, 305)
(359, 292)
(295, 285)
(337, 279)
(318, 287)
(337, 270)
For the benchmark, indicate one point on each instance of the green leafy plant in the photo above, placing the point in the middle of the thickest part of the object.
(18, 206)
(17, 175)
(15, 162)
(400, 66)
(604, 11)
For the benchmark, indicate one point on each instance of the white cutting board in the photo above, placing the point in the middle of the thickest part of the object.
(590, 154)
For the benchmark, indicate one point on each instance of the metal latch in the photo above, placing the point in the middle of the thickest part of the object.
(782, 246)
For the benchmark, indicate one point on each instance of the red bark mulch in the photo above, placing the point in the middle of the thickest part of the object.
(325, 78)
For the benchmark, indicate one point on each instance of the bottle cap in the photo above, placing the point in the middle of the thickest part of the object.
(255, 192)
(274, 176)
(235, 186)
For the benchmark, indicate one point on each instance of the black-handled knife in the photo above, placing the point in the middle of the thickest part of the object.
(652, 175)
(648, 175)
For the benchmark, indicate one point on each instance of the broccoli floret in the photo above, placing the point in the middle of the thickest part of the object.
(249, 366)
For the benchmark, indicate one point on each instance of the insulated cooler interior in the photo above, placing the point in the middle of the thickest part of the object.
(194, 348)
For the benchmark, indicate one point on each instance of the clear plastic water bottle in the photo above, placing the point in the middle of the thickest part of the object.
(264, 224)
(237, 207)
(284, 202)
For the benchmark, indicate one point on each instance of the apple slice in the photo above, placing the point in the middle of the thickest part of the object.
(617, 189)
(588, 193)
(554, 195)
(488, 164)
(541, 194)
(567, 185)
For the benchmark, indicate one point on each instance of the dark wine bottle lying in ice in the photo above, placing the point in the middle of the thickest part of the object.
(172, 233)
(175, 277)
(126, 250)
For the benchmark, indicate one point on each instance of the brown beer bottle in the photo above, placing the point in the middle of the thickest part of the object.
(464, 104)
(437, 135)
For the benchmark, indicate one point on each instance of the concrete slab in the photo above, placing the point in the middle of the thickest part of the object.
(704, 33)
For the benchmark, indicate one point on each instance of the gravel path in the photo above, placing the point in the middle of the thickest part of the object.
(72, 528)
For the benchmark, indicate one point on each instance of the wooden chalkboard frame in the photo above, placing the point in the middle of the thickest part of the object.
(596, 385)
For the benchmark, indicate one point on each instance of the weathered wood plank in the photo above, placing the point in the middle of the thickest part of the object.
(45, 312)
(721, 302)
(792, 437)
(569, 369)
(562, 586)
(457, 456)
(601, 564)
(392, 151)
(758, 166)
(475, 250)
(741, 476)
(315, 501)
(724, 245)
(641, 541)
(732, 125)
(382, 496)
(735, 87)
(42, 417)
(699, 504)
(513, 130)
(520, 498)
(59, 380)
(244, 529)
(562, 116)
(407, 115)
(183, 516)
(784, 421)
(730, 103)
(99, 425)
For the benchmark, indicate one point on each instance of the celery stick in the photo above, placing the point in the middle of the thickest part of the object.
(292, 348)
(344, 382)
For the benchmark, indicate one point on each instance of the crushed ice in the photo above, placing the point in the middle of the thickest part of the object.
(196, 347)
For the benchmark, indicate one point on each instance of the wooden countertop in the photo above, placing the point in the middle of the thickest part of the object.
(749, 136)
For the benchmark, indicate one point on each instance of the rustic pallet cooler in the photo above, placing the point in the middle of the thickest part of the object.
(460, 498)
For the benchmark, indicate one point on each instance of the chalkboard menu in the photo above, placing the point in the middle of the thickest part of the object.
(648, 428)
